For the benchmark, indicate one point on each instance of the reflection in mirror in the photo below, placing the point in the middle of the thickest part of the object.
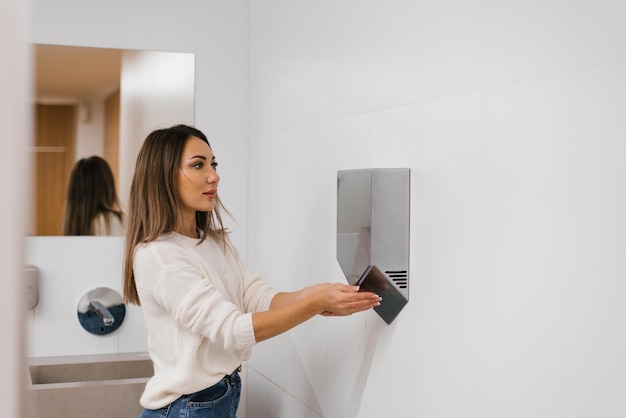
(77, 95)
(99, 102)
(92, 206)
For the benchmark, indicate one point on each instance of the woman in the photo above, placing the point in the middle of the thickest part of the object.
(92, 206)
(204, 311)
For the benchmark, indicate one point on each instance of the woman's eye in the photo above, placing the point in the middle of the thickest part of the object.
(199, 164)
(214, 165)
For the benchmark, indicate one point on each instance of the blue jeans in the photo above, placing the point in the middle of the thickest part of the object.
(218, 401)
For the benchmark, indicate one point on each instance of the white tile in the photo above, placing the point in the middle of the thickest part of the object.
(393, 58)
(290, 163)
(390, 364)
(444, 148)
(284, 406)
(313, 61)
(309, 210)
(266, 400)
(349, 146)
(393, 134)
(445, 255)
(310, 341)
(347, 369)
(284, 368)
(447, 45)
(258, 396)
(269, 183)
(273, 97)
(594, 343)
(595, 243)
(596, 32)
(522, 262)
(522, 40)
(349, 26)
(289, 65)
(222, 71)
(273, 66)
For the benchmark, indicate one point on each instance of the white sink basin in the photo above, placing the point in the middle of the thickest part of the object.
(88, 386)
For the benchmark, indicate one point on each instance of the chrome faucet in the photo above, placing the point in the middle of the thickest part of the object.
(102, 312)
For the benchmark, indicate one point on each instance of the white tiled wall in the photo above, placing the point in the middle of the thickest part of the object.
(510, 116)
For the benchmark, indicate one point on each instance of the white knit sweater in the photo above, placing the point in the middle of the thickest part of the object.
(197, 301)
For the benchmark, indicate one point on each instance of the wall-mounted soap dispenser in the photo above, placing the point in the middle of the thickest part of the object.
(373, 232)
(31, 275)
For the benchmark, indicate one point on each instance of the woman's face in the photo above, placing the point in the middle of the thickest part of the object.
(196, 182)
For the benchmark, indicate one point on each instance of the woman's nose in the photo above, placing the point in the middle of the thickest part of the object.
(213, 177)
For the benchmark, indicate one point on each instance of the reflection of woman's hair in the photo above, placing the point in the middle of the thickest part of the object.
(91, 194)
(154, 207)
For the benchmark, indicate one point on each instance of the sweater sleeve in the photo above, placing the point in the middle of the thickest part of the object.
(258, 294)
(196, 304)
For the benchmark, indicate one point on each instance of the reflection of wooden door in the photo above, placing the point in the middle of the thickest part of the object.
(54, 155)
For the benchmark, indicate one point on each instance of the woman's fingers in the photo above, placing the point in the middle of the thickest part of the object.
(350, 300)
(339, 299)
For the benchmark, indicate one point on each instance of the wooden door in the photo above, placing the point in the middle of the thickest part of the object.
(55, 135)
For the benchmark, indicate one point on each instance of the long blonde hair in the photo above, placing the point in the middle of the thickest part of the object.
(154, 206)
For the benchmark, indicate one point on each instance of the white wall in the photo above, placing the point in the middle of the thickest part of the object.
(510, 115)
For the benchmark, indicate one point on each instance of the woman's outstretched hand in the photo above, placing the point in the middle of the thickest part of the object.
(293, 308)
(338, 299)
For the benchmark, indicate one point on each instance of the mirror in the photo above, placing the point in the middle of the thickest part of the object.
(102, 102)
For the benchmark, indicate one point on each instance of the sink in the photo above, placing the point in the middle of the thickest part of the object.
(99, 386)
(90, 372)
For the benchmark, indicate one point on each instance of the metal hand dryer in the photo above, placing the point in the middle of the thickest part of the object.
(373, 228)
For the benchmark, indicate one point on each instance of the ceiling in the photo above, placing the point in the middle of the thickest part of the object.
(69, 73)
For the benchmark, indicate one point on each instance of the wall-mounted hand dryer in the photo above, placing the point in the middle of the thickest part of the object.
(373, 230)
